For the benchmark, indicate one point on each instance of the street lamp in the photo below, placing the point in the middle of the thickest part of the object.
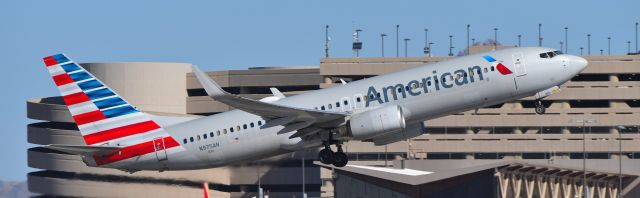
(429, 47)
(426, 42)
(519, 43)
(561, 46)
(382, 40)
(566, 40)
(601, 52)
(397, 40)
(468, 29)
(450, 45)
(495, 38)
(581, 50)
(539, 34)
(609, 45)
(584, 121)
(406, 40)
(628, 47)
(637, 38)
(588, 44)
(326, 41)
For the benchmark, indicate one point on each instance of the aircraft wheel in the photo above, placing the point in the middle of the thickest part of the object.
(540, 109)
(340, 159)
(326, 156)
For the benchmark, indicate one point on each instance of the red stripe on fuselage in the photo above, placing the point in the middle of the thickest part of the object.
(62, 79)
(89, 117)
(75, 98)
(50, 61)
(134, 151)
(120, 132)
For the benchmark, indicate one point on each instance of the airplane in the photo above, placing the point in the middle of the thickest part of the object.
(382, 109)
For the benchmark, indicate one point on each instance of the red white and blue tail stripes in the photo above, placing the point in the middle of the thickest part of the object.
(102, 116)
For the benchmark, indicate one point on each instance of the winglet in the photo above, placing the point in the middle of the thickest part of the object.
(211, 87)
(343, 82)
(276, 92)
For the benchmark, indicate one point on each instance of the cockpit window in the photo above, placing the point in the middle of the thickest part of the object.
(550, 54)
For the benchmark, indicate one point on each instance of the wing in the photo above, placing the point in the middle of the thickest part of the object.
(293, 118)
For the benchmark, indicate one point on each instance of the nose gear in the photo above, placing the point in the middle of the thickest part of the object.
(540, 109)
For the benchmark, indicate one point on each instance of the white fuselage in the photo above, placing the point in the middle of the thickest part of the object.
(425, 99)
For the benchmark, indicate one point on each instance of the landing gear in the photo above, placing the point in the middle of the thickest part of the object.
(540, 109)
(327, 156)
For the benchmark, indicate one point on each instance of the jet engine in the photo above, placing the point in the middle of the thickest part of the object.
(412, 130)
(376, 122)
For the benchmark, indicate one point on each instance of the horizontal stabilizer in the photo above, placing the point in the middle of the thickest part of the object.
(84, 150)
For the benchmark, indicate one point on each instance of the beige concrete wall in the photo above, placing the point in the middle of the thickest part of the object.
(150, 86)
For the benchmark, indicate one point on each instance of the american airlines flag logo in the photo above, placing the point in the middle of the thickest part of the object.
(501, 68)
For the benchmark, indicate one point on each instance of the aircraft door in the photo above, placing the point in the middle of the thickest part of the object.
(518, 62)
(158, 146)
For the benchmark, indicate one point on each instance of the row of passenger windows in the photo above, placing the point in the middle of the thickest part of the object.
(222, 132)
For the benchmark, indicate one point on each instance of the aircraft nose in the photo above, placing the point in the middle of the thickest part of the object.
(578, 62)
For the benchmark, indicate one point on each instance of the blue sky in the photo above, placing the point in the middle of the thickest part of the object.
(219, 35)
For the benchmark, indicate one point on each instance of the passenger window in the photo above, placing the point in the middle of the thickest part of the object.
(378, 94)
(444, 80)
(251, 124)
(191, 139)
(316, 108)
(211, 134)
(259, 123)
(238, 128)
(198, 137)
(471, 73)
(544, 55)
(492, 68)
(358, 99)
(337, 104)
(244, 126)
(429, 83)
(345, 102)
(329, 106)
(225, 131)
(218, 132)
(231, 129)
(204, 136)
(486, 70)
(321, 108)
(184, 141)
(399, 90)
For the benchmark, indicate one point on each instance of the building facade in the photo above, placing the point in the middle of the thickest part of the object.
(601, 104)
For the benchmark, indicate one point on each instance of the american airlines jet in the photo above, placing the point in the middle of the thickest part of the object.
(383, 109)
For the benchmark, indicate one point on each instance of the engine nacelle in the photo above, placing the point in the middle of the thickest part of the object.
(412, 130)
(376, 122)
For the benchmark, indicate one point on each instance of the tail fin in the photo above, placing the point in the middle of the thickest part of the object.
(103, 117)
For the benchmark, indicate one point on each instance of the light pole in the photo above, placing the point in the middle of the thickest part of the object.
(397, 40)
(620, 128)
(584, 121)
(581, 50)
(561, 46)
(429, 47)
(588, 44)
(566, 40)
(382, 40)
(519, 39)
(609, 46)
(450, 45)
(406, 41)
(468, 29)
(426, 42)
(326, 41)
(601, 52)
(495, 38)
(539, 34)
(637, 38)
(628, 47)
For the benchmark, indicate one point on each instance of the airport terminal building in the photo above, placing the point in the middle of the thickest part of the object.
(506, 146)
